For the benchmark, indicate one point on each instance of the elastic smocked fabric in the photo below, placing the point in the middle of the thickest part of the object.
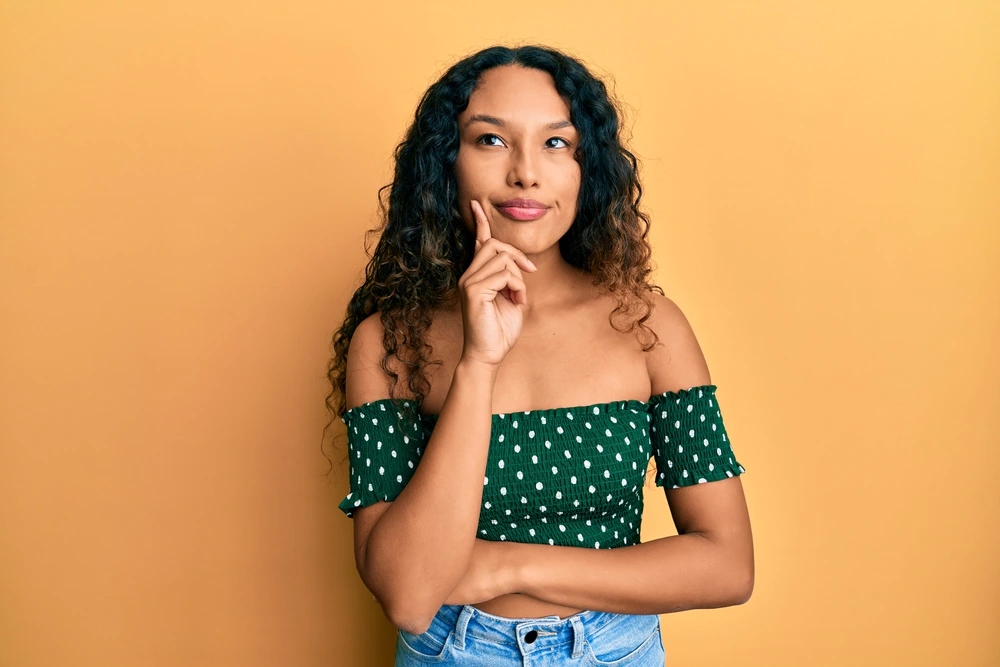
(562, 476)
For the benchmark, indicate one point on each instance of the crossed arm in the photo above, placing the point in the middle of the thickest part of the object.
(709, 564)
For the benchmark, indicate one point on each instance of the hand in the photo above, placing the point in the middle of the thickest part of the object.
(492, 294)
(488, 575)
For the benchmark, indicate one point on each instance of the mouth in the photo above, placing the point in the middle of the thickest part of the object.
(522, 209)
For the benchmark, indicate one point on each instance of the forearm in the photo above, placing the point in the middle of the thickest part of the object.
(665, 575)
(420, 547)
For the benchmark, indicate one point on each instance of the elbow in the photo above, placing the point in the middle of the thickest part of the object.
(408, 619)
(744, 586)
(399, 605)
(414, 627)
(744, 592)
(405, 612)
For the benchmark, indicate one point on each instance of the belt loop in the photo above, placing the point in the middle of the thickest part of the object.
(463, 622)
(578, 636)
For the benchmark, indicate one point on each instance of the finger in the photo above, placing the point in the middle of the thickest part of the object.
(498, 262)
(494, 247)
(482, 224)
(497, 282)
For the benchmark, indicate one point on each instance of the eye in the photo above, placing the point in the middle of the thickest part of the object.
(565, 143)
(487, 137)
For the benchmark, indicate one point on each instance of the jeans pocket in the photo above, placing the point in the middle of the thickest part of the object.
(424, 648)
(621, 650)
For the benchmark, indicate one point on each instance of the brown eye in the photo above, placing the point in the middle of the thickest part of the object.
(565, 143)
(487, 137)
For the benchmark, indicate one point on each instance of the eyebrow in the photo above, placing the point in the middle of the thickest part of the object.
(499, 122)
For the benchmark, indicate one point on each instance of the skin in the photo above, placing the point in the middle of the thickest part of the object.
(523, 158)
(544, 341)
(564, 318)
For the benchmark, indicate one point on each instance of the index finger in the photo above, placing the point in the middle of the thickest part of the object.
(482, 224)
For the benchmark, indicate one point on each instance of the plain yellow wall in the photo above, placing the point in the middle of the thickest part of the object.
(184, 192)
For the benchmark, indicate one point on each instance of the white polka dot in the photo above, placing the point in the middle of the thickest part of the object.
(538, 485)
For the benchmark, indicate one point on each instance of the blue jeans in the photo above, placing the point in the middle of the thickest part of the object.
(464, 635)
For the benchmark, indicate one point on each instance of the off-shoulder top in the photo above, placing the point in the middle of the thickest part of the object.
(568, 476)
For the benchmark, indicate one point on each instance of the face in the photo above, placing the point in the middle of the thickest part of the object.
(517, 143)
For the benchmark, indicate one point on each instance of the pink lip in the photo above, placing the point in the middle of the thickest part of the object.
(522, 209)
(520, 213)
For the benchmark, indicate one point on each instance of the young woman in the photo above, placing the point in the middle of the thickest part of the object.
(506, 372)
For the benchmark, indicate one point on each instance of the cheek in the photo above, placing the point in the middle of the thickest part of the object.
(570, 185)
(466, 177)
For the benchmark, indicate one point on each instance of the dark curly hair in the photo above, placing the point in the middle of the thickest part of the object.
(424, 248)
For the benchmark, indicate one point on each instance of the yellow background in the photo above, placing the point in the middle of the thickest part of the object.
(184, 192)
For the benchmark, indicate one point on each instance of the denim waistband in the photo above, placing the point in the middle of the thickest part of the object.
(546, 633)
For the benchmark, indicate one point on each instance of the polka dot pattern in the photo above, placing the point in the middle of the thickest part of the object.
(689, 439)
(569, 476)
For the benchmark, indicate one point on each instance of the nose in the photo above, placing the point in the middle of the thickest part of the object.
(523, 170)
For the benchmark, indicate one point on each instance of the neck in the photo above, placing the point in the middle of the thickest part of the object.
(555, 283)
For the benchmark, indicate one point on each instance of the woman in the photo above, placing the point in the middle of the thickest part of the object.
(541, 372)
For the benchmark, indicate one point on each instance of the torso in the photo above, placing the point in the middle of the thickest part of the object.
(570, 356)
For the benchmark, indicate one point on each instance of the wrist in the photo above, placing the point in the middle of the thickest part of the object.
(515, 569)
(475, 369)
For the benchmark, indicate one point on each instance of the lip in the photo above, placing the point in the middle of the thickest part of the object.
(522, 209)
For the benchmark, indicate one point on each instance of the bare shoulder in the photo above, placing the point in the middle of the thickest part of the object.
(366, 379)
(676, 362)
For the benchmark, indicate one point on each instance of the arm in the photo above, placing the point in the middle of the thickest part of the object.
(708, 564)
(411, 552)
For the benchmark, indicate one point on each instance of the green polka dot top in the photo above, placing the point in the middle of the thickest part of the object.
(563, 476)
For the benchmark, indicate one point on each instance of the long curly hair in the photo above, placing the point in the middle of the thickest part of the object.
(423, 247)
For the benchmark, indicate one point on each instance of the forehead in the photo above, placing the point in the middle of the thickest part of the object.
(519, 95)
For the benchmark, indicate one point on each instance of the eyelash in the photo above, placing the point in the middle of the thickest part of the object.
(565, 141)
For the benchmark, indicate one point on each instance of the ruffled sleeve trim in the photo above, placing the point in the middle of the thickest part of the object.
(689, 438)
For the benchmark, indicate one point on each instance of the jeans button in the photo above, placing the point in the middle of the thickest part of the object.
(531, 637)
